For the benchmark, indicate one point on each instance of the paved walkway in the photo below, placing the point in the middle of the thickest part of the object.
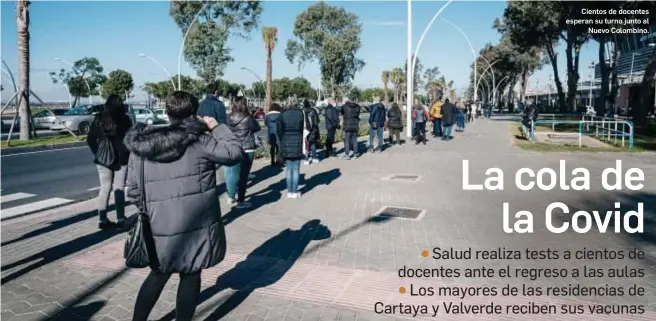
(327, 256)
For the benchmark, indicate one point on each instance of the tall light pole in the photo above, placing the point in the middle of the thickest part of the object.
(256, 76)
(163, 68)
(182, 45)
(590, 84)
(411, 61)
(473, 54)
(654, 45)
(549, 88)
(631, 72)
(78, 73)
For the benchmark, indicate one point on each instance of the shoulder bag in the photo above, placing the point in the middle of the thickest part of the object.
(139, 249)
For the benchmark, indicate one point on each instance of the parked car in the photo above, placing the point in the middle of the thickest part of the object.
(145, 115)
(77, 119)
(130, 111)
(259, 113)
(45, 119)
(161, 114)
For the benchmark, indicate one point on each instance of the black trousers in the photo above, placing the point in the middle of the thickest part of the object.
(420, 131)
(151, 289)
(245, 169)
(330, 139)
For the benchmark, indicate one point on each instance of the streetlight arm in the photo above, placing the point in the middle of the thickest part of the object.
(163, 68)
(182, 45)
(78, 73)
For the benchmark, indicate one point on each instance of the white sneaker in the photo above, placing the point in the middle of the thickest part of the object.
(297, 195)
(315, 161)
(244, 205)
(307, 162)
(231, 201)
(290, 195)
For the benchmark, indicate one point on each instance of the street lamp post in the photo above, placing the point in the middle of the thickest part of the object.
(631, 72)
(256, 76)
(412, 60)
(163, 68)
(78, 73)
(590, 84)
(549, 88)
(182, 45)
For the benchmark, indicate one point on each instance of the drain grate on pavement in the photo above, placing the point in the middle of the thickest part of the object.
(403, 177)
(403, 213)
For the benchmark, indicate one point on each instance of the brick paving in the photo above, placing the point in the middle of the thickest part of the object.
(325, 256)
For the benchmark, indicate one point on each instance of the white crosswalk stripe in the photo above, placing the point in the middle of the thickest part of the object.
(14, 197)
(8, 210)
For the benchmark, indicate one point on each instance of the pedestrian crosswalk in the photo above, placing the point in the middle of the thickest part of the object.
(17, 204)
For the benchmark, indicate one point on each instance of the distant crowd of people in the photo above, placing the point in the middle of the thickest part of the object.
(172, 170)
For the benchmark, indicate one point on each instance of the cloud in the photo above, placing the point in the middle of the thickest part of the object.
(392, 23)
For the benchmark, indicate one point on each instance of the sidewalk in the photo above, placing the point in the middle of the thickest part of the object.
(327, 256)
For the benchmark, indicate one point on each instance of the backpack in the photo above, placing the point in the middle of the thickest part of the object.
(106, 154)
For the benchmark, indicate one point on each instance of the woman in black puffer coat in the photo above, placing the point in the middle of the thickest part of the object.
(395, 123)
(178, 164)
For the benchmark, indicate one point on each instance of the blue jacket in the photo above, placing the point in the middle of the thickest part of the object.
(270, 121)
(377, 115)
(213, 107)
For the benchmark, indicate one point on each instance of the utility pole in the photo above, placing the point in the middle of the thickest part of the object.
(590, 84)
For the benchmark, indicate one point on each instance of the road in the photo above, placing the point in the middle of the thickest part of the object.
(34, 181)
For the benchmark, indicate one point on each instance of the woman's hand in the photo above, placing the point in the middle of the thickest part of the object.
(209, 121)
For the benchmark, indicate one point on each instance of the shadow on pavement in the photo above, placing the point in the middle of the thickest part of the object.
(324, 178)
(266, 196)
(55, 225)
(81, 312)
(55, 253)
(268, 263)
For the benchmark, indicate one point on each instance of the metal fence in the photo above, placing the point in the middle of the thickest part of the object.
(618, 131)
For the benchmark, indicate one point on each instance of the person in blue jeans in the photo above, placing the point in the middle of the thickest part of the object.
(290, 133)
(377, 119)
(244, 127)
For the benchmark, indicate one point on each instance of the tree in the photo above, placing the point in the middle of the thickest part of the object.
(432, 85)
(119, 82)
(83, 80)
(355, 94)
(23, 24)
(417, 82)
(270, 37)
(385, 77)
(398, 77)
(330, 36)
(205, 47)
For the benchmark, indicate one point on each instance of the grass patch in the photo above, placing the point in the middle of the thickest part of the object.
(521, 142)
(40, 141)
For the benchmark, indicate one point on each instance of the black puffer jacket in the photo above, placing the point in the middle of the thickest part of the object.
(96, 133)
(290, 134)
(332, 118)
(394, 119)
(180, 183)
(243, 126)
(312, 124)
(351, 113)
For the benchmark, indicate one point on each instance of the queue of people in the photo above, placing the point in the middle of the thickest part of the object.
(172, 170)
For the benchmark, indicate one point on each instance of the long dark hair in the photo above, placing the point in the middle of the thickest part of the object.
(113, 119)
(239, 106)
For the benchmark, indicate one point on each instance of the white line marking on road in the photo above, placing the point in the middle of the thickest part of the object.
(94, 188)
(43, 151)
(14, 197)
(32, 207)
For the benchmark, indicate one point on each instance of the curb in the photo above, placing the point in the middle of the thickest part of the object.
(17, 150)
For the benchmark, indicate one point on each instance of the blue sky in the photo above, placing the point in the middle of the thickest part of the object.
(116, 32)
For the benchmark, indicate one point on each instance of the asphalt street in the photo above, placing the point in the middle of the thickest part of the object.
(33, 181)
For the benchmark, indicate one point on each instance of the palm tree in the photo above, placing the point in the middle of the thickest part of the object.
(270, 37)
(397, 80)
(22, 25)
(385, 77)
